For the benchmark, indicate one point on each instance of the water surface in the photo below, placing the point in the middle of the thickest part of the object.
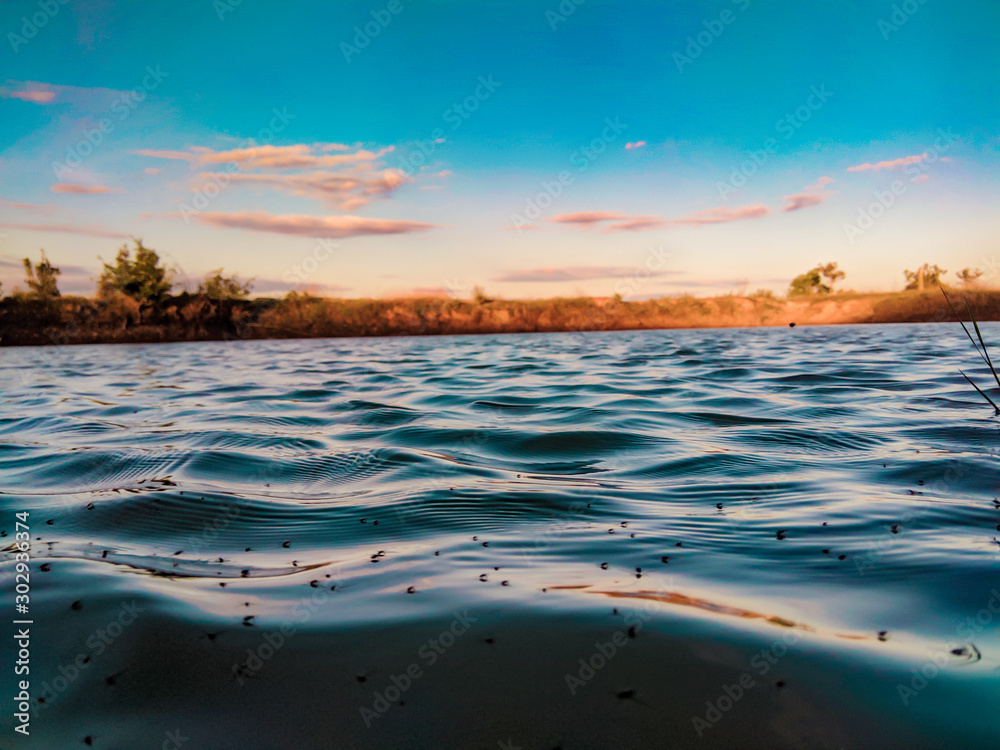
(753, 538)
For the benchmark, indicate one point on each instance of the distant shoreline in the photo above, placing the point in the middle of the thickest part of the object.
(192, 317)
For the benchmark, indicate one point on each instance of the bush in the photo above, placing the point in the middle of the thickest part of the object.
(926, 275)
(41, 279)
(219, 287)
(811, 282)
(142, 279)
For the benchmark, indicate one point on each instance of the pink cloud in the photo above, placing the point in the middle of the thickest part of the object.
(637, 224)
(89, 229)
(819, 184)
(151, 170)
(34, 208)
(157, 154)
(587, 217)
(309, 226)
(297, 156)
(636, 144)
(921, 178)
(343, 180)
(265, 286)
(76, 189)
(723, 215)
(35, 96)
(804, 200)
(341, 190)
(902, 162)
(574, 273)
(626, 223)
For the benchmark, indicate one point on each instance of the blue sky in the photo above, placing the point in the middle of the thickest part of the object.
(532, 148)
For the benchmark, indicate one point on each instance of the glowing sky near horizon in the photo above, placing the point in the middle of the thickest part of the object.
(393, 147)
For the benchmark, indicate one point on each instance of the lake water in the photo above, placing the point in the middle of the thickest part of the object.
(711, 538)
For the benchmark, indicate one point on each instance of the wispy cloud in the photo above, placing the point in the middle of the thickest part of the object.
(820, 184)
(637, 224)
(723, 215)
(574, 273)
(309, 226)
(634, 144)
(346, 179)
(92, 230)
(77, 189)
(587, 217)
(342, 190)
(893, 164)
(34, 95)
(625, 223)
(804, 200)
(34, 208)
(296, 156)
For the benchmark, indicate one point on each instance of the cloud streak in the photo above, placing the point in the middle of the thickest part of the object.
(92, 230)
(723, 215)
(575, 273)
(34, 208)
(893, 164)
(587, 217)
(344, 191)
(627, 223)
(344, 179)
(804, 200)
(77, 189)
(309, 226)
(35, 96)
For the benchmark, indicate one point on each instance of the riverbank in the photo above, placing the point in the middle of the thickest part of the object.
(187, 317)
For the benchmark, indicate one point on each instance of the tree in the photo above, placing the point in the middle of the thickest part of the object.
(41, 278)
(811, 282)
(832, 273)
(142, 279)
(969, 276)
(219, 287)
(926, 275)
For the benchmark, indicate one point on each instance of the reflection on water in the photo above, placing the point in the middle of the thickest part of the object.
(839, 483)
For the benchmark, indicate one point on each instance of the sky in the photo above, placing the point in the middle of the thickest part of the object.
(380, 148)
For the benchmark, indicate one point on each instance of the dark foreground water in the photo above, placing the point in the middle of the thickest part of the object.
(735, 538)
